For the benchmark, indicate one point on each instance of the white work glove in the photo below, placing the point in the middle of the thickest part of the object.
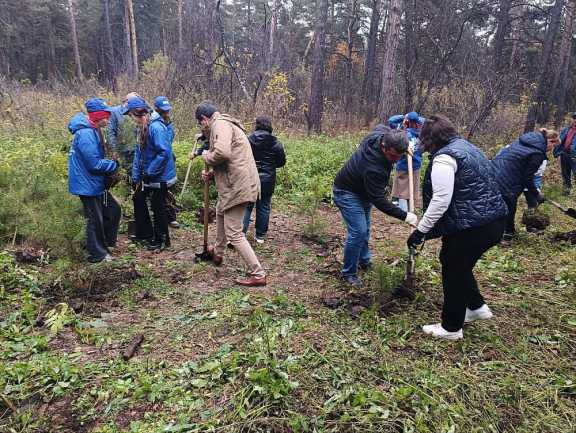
(411, 219)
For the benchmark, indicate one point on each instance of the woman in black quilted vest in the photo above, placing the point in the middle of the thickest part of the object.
(464, 207)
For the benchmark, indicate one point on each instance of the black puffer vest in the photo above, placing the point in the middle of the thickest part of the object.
(476, 200)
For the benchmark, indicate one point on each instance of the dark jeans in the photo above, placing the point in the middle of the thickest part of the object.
(102, 215)
(511, 203)
(459, 254)
(171, 207)
(356, 214)
(145, 230)
(263, 209)
(568, 168)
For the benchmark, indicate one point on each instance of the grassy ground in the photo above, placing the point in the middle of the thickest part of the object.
(303, 354)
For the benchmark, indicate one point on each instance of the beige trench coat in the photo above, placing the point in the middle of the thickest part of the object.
(230, 155)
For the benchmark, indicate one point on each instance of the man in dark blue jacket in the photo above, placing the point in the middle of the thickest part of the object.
(269, 155)
(361, 183)
(87, 168)
(515, 166)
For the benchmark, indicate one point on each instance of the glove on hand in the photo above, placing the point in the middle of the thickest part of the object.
(411, 219)
(415, 239)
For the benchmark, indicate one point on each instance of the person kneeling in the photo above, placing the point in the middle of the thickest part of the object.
(463, 205)
(361, 183)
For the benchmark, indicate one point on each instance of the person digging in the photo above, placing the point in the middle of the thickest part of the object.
(463, 205)
(237, 182)
(361, 183)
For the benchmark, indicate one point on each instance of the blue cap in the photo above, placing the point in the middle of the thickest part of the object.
(135, 103)
(97, 104)
(413, 116)
(421, 120)
(162, 103)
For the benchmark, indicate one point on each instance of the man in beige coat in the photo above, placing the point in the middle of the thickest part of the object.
(237, 181)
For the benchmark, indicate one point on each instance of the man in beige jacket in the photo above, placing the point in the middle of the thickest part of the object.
(237, 181)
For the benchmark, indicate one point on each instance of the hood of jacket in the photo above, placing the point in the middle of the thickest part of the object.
(534, 140)
(78, 122)
(262, 139)
(228, 118)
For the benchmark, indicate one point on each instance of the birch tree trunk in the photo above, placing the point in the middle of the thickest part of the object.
(272, 34)
(74, 35)
(389, 65)
(368, 88)
(111, 62)
(133, 42)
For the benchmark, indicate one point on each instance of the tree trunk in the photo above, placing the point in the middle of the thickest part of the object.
(74, 35)
(541, 96)
(389, 65)
(561, 80)
(502, 31)
(128, 50)
(350, 34)
(411, 54)
(272, 34)
(110, 60)
(133, 43)
(180, 36)
(368, 89)
(316, 105)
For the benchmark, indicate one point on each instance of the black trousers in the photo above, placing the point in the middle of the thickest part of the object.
(512, 203)
(145, 229)
(459, 254)
(102, 215)
(568, 169)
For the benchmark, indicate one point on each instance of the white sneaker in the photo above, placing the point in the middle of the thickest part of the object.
(174, 224)
(481, 313)
(259, 240)
(436, 330)
(108, 258)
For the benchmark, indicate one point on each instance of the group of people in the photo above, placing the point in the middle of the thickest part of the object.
(140, 140)
(469, 201)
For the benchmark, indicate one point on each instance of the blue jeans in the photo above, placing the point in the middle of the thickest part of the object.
(263, 208)
(356, 214)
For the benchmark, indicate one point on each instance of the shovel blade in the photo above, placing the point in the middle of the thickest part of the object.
(571, 212)
(204, 256)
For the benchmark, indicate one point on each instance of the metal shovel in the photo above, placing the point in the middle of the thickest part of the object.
(571, 212)
(205, 255)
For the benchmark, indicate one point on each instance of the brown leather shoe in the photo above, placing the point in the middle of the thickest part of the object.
(216, 259)
(252, 281)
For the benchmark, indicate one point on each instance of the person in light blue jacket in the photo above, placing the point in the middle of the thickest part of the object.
(163, 109)
(153, 172)
(87, 169)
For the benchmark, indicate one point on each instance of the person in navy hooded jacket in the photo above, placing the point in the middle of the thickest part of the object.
(87, 169)
(515, 166)
(153, 172)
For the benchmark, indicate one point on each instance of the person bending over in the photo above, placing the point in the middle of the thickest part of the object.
(464, 207)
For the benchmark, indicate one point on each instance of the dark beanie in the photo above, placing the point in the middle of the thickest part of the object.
(264, 123)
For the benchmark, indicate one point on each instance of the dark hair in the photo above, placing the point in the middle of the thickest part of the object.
(205, 109)
(395, 140)
(437, 132)
(264, 123)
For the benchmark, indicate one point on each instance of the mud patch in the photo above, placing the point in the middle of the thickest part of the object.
(535, 221)
(566, 237)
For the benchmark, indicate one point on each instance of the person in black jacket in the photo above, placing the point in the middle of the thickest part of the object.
(269, 155)
(515, 166)
(361, 183)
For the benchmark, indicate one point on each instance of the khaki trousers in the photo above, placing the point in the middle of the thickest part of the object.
(229, 228)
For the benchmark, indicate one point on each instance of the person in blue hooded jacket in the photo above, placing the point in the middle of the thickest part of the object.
(163, 109)
(411, 124)
(153, 172)
(515, 166)
(87, 169)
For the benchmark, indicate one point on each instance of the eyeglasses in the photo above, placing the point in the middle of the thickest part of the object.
(138, 113)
